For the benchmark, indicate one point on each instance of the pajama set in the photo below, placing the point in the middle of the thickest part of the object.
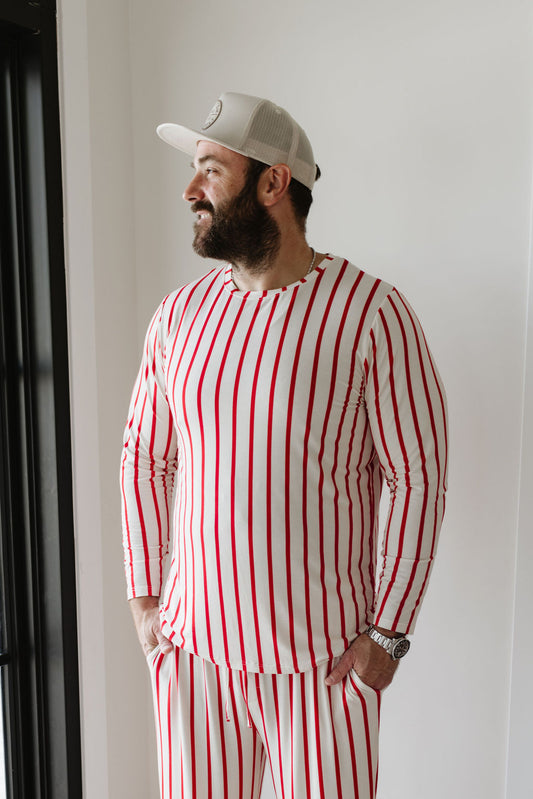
(260, 429)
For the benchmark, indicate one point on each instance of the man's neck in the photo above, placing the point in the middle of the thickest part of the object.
(291, 263)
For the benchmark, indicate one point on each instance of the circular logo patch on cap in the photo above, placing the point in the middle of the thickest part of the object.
(213, 115)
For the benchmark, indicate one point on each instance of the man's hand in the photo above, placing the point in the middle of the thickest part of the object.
(370, 661)
(145, 611)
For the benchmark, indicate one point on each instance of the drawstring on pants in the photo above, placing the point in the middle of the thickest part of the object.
(244, 689)
(226, 693)
(226, 676)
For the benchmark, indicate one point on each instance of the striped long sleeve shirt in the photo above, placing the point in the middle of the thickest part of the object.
(261, 427)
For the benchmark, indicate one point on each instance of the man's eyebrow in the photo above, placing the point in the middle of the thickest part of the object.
(204, 158)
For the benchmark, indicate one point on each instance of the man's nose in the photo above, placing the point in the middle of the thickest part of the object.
(194, 190)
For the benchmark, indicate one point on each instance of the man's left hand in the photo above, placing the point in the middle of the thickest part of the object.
(373, 665)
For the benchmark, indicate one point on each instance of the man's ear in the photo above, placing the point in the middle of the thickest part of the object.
(273, 184)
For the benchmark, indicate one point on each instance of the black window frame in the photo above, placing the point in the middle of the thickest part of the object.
(38, 640)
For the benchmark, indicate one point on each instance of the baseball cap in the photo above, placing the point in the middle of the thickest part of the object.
(253, 127)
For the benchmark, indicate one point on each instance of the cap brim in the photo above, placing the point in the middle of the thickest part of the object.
(186, 139)
(182, 138)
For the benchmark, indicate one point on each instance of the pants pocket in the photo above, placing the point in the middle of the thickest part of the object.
(356, 686)
(150, 657)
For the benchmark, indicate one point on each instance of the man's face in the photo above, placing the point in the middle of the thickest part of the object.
(231, 225)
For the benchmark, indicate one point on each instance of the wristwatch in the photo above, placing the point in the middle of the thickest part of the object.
(396, 647)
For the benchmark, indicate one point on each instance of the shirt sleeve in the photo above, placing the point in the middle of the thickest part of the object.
(148, 465)
(406, 406)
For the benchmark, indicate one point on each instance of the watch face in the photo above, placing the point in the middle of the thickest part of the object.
(400, 648)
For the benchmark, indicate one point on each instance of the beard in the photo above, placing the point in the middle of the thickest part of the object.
(240, 231)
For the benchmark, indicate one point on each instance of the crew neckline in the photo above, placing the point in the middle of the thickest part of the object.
(230, 287)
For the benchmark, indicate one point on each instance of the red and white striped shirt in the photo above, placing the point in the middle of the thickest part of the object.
(260, 426)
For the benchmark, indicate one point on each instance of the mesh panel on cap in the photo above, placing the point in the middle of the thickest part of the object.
(304, 152)
(269, 125)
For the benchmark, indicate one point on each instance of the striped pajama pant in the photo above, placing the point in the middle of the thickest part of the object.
(217, 728)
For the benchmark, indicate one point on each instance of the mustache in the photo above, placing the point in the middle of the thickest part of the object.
(202, 205)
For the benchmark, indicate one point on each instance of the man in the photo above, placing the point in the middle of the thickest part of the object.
(275, 393)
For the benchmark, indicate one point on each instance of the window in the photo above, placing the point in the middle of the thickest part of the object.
(40, 732)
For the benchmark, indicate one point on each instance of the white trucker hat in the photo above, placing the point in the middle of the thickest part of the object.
(253, 127)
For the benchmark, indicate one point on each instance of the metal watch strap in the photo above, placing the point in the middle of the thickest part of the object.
(389, 644)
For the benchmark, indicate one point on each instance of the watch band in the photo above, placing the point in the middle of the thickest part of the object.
(396, 647)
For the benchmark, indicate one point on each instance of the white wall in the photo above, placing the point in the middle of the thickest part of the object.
(420, 116)
(100, 244)
(521, 709)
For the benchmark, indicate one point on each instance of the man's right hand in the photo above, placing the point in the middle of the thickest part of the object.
(145, 611)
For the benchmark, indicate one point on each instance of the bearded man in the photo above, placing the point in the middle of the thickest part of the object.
(276, 393)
